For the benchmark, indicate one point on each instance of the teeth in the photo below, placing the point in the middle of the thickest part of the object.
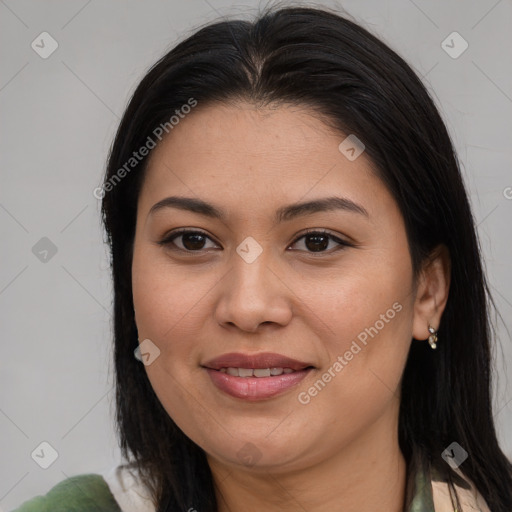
(245, 372)
(256, 372)
(262, 372)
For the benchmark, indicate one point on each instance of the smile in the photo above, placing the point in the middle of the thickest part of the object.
(256, 372)
(255, 384)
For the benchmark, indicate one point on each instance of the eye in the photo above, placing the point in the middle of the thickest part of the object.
(318, 240)
(191, 240)
(315, 241)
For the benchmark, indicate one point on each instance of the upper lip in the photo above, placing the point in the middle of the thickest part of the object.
(262, 360)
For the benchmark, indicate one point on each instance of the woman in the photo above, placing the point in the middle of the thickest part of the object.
(301, 316)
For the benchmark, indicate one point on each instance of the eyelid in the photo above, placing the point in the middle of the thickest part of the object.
(322, 231)
(169, 238)
(340, 241)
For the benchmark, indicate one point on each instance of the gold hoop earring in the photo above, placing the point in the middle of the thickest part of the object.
(432, 339)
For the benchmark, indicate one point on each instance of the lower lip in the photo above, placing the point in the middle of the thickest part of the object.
(256, 388)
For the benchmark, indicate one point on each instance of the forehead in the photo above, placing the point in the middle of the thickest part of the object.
(255, 156)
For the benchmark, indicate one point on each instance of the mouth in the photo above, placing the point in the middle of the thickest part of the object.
(259, 362)
(258, 372)
(256, 377)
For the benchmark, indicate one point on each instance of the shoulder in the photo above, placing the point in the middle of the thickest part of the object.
(129, 491)
(75, 494)
(469, 496)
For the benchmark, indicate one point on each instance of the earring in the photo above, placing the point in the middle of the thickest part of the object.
(432, 339)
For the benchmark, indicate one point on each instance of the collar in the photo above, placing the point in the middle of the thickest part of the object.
(428, 490)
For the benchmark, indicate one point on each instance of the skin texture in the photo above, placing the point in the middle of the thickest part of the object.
(340, 450)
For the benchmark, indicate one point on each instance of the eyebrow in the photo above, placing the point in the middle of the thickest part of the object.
(285, 213)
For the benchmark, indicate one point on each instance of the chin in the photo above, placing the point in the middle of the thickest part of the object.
(258, 453)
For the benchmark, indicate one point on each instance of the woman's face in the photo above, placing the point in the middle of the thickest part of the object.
(340, 303)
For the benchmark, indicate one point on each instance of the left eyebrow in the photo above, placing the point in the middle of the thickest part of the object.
(283, 214)
(326, 204)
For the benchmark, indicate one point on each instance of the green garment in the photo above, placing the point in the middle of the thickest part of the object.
(81, 493)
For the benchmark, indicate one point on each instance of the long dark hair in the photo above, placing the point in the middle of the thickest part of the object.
(358, 85)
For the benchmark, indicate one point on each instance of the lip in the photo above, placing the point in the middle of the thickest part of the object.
(256, 388)
(263, 360)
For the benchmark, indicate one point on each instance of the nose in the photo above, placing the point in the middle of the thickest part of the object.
(253, 294)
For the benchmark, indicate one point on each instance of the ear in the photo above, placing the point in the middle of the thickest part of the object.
(431, 292)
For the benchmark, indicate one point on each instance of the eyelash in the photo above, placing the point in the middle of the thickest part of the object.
(168, 240)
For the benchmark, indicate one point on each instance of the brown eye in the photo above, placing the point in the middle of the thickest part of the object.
(196, 241)
(318, 241)
(191, 241)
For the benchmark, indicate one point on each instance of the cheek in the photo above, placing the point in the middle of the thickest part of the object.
(369, 315)
(352, 299)
(168, 305)
(167, 300)
(361, 380)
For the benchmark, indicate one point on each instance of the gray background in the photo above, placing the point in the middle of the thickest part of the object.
(58, 119)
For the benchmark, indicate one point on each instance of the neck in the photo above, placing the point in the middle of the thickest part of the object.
(368, 474)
